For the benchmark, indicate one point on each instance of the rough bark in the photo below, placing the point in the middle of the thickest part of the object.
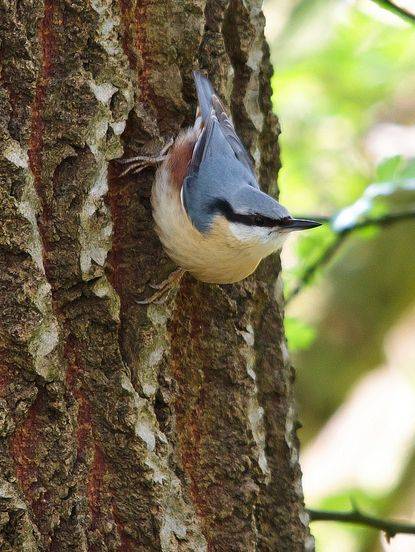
(122, 426)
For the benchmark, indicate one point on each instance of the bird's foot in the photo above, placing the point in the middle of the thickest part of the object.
(141, 162)
(164, 289)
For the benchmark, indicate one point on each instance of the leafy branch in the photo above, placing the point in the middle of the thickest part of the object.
(355, 516)
(340, 235)
(397, 10)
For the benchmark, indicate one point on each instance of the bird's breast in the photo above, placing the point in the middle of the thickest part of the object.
(217, 256)
(214, 257)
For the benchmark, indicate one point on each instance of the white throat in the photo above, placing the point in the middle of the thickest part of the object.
(266, 239)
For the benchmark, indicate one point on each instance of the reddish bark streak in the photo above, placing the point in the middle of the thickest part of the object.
(190, 437)
(128, 34)
(73, 381)
(84, 424)
(87, 445)
(190, 421)
(120, 232)
(142, 47)
(96, 485)
(46, 40)
(23, 446)
(135, 44)
(127, 544)
(28, 445)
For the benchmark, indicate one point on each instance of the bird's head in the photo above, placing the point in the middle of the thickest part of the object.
(256, 219)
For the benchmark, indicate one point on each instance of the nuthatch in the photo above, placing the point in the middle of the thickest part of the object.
(211, 216)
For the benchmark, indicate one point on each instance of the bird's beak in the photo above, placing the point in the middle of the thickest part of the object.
(301, 224)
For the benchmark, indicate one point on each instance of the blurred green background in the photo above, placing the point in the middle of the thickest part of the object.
(344, 91)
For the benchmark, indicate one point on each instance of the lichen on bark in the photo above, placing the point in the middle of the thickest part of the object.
(126, 427)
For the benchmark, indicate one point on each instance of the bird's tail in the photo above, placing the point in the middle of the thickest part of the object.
(205, 92)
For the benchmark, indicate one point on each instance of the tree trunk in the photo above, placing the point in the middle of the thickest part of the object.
(123, 426)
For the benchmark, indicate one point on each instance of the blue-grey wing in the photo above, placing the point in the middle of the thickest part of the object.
(210, 105)
(215, 174)
(205, 91)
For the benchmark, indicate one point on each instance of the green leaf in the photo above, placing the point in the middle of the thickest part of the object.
(345, 499)
(311, 244)
(389, 169)
(395, 168)
(300, 335)
(408, 171)
(369, 232)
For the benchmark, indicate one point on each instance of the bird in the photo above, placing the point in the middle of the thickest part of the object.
(210, 214)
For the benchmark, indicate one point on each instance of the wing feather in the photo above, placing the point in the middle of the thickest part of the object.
(211, 107)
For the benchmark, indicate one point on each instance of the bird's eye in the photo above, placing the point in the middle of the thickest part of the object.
(258, 221)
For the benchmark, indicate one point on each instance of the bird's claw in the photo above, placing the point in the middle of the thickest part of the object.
(157, 298)
(163, 289)
(137, 164)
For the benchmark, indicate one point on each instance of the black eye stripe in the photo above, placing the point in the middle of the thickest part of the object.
(248, 219)
(286, 221)
(257, 220)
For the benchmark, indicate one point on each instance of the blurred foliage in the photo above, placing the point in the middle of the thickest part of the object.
(390, 200)
(299, 334)
(342, 71)
(394, 192)
(345, 501)
(395, 168)
(328, 100)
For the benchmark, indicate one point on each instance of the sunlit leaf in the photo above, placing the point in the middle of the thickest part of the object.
(348, 498)
(312, 243)
(368, 232)
(299, 334)
(389, 169)
(408, 170)
(395, 168)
